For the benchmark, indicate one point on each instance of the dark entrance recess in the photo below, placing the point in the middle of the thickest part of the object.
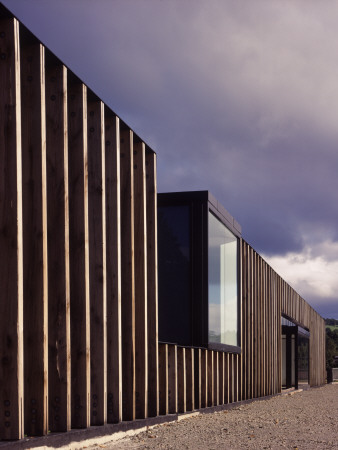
(295, 354)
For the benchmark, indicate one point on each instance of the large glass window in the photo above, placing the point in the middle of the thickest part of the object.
(223, 284)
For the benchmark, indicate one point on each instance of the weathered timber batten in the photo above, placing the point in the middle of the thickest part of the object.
(76, 186)
(220, 377)
(79, 270)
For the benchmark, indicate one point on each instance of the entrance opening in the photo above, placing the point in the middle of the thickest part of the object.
(295, 355)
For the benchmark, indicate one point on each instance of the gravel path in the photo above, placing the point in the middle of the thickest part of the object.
(306, 420)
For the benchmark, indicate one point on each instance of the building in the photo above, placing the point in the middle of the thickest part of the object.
(78, 275)
(229, 303)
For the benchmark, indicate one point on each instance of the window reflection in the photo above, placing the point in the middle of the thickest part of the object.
(303, 356)
(223, 288)
(174, 308)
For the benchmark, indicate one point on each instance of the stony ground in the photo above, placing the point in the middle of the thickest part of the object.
(305, 420)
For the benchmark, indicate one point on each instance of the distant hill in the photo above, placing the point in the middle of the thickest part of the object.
(332, 324)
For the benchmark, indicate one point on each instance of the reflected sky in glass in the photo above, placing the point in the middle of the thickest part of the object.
(223, 289)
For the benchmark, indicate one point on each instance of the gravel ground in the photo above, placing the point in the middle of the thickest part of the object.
(305, 420)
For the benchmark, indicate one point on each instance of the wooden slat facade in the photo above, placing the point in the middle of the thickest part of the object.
(113, 267)
(78, 279)
(97, 261)
(58, 247)
(11, 235)
(79, 253)
(140, 239)
(74, 176)
(152, 291)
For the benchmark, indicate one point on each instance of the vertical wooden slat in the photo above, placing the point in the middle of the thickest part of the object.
(211, 378)
(163, 379)
(277, 291)
(235, 378)
(127, 275)
(259, 327)
(256, 331)
(197, 376)
(204, 378)
(268, 376)
(239, 378)
(181, 380)
(240, 368)
(248, 329)
(244, 318)
(270, 327)
(265, 297)
(152, 301)
(273, 287)
(266, 319)
(189, 360)
(34, 201)
(264, 391)
(252, 329)
(79, 254)
(140, 239)
(58, 248)
(216, 379)
(172, 379)
(261, 343)
(221, 378)
(278, 344)
(231, 377)
(97, 262)
(113, 262)
(226, 378)
(11, 245)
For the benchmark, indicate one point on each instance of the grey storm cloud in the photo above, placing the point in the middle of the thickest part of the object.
(238, 97)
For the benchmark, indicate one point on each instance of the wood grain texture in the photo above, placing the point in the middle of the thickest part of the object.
(211, 379)
(216, 378)
(163, 379)
(58, 248)
(190, 377)
(266, 296)
(152, 287)
(204, 378)
(231, 377)
(198, 376)
(181, 380)
(11, 239)
(113, 261)
(79, 254)
(35, 264)
(226, 379)
(172, 379)
(141, 284)
(235, 377)
(127, 274)
(97, 261)
(221, 375)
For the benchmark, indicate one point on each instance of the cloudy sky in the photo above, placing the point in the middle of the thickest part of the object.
(237, 97)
